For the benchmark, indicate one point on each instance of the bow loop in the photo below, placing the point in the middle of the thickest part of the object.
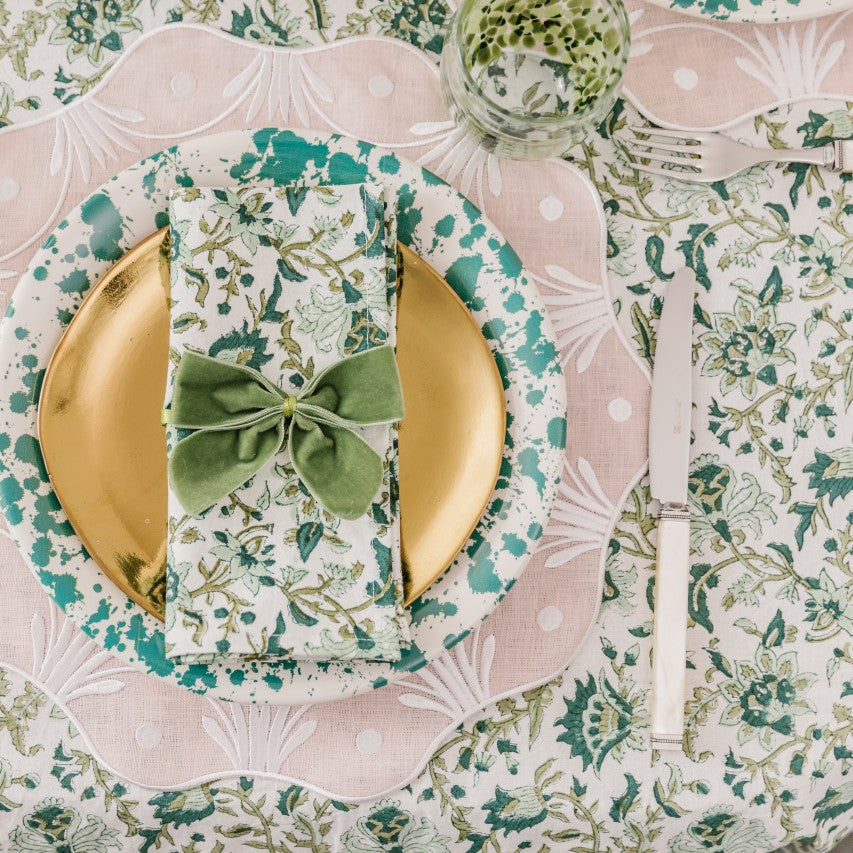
(241, 420)
(381, 403)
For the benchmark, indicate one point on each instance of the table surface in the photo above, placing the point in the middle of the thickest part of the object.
(514, 753)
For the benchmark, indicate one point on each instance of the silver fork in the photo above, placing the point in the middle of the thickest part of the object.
(707, 157)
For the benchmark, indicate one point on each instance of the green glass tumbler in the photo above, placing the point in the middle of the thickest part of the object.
(530, 78)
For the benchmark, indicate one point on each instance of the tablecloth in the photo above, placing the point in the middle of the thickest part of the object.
(512, 753)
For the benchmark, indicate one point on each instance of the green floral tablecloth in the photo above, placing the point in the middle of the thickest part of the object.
(566, 766)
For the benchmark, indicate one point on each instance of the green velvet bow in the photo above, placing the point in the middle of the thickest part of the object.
(241, 420)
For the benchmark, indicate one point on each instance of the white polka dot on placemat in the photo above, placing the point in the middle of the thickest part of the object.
(368, 741)
(380, 86)
(619, 410)
(550, 618)
(551, 208)
(685, 78)
(9, 188)
(184, 84)
(148, 736)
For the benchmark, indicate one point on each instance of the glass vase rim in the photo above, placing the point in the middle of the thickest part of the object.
(617, 6)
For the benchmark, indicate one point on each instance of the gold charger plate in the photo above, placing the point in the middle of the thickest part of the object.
(105, 449)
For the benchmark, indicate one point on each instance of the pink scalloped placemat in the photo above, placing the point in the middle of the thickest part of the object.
(386, 92)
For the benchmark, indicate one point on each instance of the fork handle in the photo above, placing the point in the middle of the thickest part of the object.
(826, 156)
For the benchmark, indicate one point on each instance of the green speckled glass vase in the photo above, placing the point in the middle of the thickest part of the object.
(530, 78)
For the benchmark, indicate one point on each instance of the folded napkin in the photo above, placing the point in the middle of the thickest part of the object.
(281, 401)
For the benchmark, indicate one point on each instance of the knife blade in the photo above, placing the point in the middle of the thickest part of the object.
(669, 421)
(669, 459)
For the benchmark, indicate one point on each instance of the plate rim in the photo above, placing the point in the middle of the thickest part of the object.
(810, 10)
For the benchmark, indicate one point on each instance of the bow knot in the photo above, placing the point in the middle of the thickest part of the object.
(288, 407)
(240, 420)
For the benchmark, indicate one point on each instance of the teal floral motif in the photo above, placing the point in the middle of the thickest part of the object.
(829, 607)
(826, 125)
(246, 216)
(178, 591)
(376, 639)
(184, 807)
(53, 827)
(825, 263)
(389, 829)
(93, 28)
(420, 22)
(516, 809)
(765, 695)
(746, 346)
(619, 582)
(242, 346)
(835, 803)
(180, 252)
(311, 523)
(722, 830)
(697, 198)
(329, 317)
(725, 509)
(602, 719)
(248, 568)
(268, 23)
(831, 473)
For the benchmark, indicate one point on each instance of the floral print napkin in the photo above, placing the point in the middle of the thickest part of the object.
(287, 280)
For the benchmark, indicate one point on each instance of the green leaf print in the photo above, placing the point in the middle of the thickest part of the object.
(308, 537)
(300, 616)
(654, 257)
(831, 473)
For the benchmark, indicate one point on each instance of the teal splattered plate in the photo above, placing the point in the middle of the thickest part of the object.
(436, 222)
(756, 11)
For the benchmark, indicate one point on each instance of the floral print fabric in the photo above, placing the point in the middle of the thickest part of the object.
(500, 784)
(566, 766)
(287, 281)
(768, 731)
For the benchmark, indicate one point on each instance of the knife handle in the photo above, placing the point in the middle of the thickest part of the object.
(669, 654)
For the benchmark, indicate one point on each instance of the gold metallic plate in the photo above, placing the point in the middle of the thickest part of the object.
(105, 449)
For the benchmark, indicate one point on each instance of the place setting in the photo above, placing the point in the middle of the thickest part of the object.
(454, 438)
(307, 446)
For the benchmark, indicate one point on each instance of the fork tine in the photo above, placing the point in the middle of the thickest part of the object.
(687, 162)
(692, 150)
(669, 134)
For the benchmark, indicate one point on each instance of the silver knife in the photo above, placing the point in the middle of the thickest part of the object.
(669, 457)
